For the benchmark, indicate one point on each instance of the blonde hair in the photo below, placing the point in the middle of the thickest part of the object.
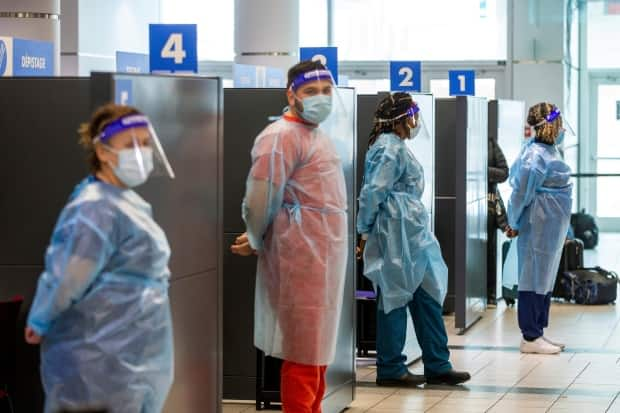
(101, 118)
(545, 131)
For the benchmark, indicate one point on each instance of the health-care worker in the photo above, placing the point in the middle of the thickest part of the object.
(401, 256)
(101, 311)
(295, 214)
(539, 213)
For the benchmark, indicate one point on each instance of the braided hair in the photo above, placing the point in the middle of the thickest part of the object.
(545, 131)
(389, 114)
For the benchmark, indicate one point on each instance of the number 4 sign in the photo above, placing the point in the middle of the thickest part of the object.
(406, 76)
(173, 48)
(462, 82)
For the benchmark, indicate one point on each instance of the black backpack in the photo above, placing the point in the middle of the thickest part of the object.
(585, 229)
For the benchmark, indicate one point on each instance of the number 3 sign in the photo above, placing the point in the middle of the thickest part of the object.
(406, 76)
(173, 48)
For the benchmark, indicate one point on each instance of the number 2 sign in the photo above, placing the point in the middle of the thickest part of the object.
(173, 48)
(406, 76)
(462, 82)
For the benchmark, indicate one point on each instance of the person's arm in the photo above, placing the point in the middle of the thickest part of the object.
(498, 168)
(273, 160)
(382, 170)
(77, 253)
(525, 180)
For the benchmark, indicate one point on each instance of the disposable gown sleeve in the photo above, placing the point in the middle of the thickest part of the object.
(382, 170)
(525, 178)
(274, 157)
(78, 251)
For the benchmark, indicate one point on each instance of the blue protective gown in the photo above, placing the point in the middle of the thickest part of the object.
(540, 208)
(102, 305)
(401, 253)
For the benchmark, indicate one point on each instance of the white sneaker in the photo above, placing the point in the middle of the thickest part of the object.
(538, 346)
(560, 345)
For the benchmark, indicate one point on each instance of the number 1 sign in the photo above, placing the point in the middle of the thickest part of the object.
(173, 48)
(462, 82)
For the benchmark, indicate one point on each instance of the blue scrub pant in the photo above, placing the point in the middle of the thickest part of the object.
(533, 310)
(429, 330)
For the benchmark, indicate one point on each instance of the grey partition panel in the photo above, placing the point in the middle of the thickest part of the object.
(40, 163)
(187, 112)
(461, 205)
(506, 121)
(248, 112)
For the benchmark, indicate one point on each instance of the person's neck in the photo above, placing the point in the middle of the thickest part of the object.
(106, 175)
(400, 132)
(292, 114)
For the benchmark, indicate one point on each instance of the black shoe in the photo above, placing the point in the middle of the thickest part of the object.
(408, 380)
(451, 378)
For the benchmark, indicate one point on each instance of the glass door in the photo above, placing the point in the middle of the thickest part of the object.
(605, 151)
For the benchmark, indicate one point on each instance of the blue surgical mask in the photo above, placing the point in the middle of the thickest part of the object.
(316, 108)
(129, 169)
(560, 139)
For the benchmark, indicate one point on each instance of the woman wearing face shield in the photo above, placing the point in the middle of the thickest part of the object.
(101, 311)
(401, 256)
(295, 214)
(539, 213)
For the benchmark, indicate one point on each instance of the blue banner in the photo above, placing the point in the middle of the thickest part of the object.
(405, 76)
(173, 48)
(245, 76)
(326, 55)
(127, 62)
(462, 82)
(33, 58)
(275, 78)
(123, 92)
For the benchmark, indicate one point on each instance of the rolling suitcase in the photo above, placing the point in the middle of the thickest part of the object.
(572, 259)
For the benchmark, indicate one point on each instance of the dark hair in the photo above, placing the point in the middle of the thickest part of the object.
(389, 108)
(301, 68)
(101, 118)
(547, 131)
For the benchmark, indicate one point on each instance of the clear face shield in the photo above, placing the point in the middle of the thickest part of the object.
(566, 131)
(317, 99)
(138, 149)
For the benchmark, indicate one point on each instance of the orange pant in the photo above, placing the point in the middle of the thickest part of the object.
(302, 387)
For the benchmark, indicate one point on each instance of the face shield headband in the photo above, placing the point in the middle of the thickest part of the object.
(410, 113)
(311, 76)
(555, 113)
(122, 124)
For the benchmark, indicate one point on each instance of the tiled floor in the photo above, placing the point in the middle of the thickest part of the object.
(584, 379)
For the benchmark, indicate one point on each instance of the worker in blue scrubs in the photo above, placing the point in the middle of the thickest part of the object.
(539, 212)
(401, 256)
(101, 311)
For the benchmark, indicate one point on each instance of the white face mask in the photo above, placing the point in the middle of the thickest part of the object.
(131, 170)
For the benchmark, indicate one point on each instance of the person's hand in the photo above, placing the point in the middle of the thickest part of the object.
(359, 251)
(512, 233)
(32, 337)
(242, 246)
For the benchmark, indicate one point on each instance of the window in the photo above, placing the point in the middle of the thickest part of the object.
(215, 20)
(603, 34)
(313, 23)
(420, 29)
